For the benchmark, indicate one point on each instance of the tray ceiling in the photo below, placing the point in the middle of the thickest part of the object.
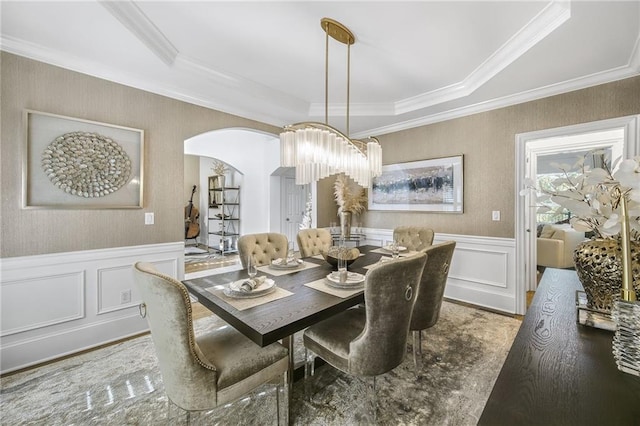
(413, 63)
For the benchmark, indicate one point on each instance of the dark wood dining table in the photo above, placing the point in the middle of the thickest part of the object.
(279, 319)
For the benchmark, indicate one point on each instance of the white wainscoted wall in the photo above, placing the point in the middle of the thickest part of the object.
(57, 304)
(482, 270)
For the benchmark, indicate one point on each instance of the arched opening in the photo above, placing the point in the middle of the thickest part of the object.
(252, 159)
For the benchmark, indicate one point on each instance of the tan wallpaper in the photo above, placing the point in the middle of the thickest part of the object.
(486, 140)
(28, 84)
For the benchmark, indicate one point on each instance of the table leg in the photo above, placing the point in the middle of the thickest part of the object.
(287, 342)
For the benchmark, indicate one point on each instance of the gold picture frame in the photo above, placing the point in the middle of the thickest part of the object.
(71, 163)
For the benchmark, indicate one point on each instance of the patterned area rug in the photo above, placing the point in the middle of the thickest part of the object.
(121, 384)
(201, 262)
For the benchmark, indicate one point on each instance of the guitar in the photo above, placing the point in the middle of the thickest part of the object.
(191, 215)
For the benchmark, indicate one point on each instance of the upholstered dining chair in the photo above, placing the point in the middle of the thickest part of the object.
(369, 340)
(313, 241)
(426, 311)
(414, 238)
(263, 247)
(209, 370)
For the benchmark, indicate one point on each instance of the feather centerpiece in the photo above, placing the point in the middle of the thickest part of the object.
(348, 199)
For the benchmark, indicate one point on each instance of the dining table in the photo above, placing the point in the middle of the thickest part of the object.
(302, 298)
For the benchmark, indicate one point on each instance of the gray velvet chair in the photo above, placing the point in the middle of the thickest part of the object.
(313, 241)
(370, 340)
(414, 238)
(263, 247)
(205, 371)
(426, 311)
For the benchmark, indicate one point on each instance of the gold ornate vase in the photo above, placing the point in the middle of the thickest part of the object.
(599, 267)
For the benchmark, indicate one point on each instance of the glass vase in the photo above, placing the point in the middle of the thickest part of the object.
(626, 341)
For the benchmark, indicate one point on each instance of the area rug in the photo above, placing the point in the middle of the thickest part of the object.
(212, 261)
(121, 384)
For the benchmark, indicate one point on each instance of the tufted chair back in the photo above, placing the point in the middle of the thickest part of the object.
(414, 238)
(263, 247)
(313, 241)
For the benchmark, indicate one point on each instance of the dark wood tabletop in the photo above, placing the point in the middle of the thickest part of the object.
(278, 319)
(559, 372)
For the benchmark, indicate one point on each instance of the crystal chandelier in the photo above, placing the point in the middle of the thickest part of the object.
(318, 150)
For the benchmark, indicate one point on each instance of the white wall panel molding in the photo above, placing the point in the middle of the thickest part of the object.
(61, 303)
(53, 299)
(482, 270)
(32, 351)
(494, 263)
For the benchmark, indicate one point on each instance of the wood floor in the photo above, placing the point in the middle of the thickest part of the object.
(199, 311)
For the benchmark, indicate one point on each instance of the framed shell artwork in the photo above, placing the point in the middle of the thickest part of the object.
(71, 163)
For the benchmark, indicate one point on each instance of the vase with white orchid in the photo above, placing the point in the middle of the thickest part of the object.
(594, 195)
(607, 203)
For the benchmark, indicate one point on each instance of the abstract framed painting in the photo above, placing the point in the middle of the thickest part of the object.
(435, 185)
(70, 163)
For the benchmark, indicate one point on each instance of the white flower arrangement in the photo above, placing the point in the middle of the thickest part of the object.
(594, 195)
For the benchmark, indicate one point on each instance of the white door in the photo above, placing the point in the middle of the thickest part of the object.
(294, 199)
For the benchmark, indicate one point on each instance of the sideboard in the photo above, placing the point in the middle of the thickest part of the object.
(559, 372)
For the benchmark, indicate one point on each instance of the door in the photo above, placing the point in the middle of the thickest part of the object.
(294, 198)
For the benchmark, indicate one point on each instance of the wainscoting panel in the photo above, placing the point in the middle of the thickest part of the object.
(482, 269)
(58, 304)
(51, 300)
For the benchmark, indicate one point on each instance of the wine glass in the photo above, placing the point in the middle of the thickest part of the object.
(395, 250)
(252, 268)
(342, 264)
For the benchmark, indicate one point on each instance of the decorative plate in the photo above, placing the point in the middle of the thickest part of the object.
(234, 290)
(354, 280)
(283, 264)
(388, 248)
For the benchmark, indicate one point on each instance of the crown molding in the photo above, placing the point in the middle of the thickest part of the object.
(133, 19)
(544, 23)
(53, 57)
(608, 76)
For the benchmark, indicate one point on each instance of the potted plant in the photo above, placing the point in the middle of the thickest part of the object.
(350, 201)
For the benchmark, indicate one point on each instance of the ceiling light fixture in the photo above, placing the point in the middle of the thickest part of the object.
(318, 150)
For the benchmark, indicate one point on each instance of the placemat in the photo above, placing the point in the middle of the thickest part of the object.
(242, 304)
(277, 272)
(321, 285)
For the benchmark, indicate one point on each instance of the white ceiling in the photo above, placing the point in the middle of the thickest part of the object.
(413, 63)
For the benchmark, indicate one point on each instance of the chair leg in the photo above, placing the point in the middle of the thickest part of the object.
(368, 410)
(417, 349)
(309, 371)
(176, 415)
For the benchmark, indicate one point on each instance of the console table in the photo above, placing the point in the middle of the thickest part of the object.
(559, 372)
